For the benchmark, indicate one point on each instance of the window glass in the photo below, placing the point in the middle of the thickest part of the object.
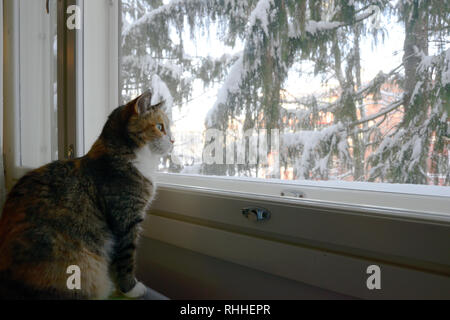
(38, 87)
(296, 89)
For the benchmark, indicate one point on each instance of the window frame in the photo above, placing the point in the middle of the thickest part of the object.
(69, 93)
(427, 205)
(70, 84)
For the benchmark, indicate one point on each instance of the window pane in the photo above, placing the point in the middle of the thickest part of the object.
(296, 90)
(38, 100)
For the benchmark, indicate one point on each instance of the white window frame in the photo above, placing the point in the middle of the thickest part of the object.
(69, 102)
(326, 239)
(11, 93)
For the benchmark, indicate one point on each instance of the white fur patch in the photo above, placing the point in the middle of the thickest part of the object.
(146, 162)
(138, 291)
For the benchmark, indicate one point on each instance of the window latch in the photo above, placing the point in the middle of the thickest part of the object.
(256, 214)
(47, 6)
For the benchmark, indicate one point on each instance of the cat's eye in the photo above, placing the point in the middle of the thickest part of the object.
(160, 127)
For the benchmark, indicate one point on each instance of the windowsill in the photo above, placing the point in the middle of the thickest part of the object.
(429, 203)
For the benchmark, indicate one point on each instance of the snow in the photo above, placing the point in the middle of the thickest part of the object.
(446, 69)
(310, 138)
(194, 169)
(238, 70)
(435, 60)
(161, 93)
(164, 9)
(310, 141)
(149, 65)
(426, 62)
(260, 13)
(416, 91)
(417, 150)
(231, 85)
(314, 27)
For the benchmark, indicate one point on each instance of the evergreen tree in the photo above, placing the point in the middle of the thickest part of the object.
(277, 36)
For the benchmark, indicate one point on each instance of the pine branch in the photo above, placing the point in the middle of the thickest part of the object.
(312, 27)
(390, 108)
(165, 9)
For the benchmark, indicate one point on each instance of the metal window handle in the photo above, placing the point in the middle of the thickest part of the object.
(256, 214)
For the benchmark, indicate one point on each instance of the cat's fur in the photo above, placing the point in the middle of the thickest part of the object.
(85, 212)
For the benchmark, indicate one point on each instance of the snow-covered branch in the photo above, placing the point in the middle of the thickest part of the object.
(382, 112)
(166, 10)
(231, 85)
(313, 27)
(258, 17)
(149, 65)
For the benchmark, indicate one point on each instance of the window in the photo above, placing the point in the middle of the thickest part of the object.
(296, 91)
(32, 56)
(295, 95)
(38, 86)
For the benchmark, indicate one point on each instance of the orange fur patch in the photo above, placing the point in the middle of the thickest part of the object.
(97, 150)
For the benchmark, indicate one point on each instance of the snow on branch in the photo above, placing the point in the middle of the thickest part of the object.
(440, 61)
(361, 93)
(313, 27)
(231, 85)
(162, 93)
(260, 13)
(238, 71)
(165, 9)
(446, 69)
(148, 64)
(391, 107)
(310, 143)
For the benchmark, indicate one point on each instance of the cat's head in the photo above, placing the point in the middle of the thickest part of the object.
(149, 125)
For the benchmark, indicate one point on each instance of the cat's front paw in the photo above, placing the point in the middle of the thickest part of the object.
(138, 291)
(153, 295)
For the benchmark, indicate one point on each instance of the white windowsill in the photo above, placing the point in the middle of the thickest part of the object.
(412, 201)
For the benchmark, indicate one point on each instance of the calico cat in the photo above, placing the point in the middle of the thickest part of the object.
(85, 212)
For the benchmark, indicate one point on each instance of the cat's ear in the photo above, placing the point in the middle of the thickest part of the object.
(143, 103)
(158, 105)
